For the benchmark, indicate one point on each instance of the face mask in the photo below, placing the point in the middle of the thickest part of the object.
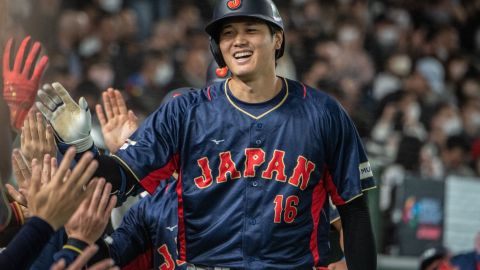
(387, 36)
(452, 126)
(163, 74)
(89, 46)
(401, 65)
(413, 111)
(347, 35)
(112, 6)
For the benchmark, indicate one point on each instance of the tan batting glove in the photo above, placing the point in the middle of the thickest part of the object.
(71, 122)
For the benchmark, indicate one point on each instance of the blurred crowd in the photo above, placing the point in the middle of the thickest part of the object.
(406, 71)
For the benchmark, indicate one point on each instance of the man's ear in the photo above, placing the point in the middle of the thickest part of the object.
(278, 37)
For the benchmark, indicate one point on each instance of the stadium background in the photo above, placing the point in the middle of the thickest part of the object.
(406, 71)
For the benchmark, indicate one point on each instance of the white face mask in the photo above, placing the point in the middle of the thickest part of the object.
(163, 74)
(347, 35)
(112, 6)
(413, 112)
(401, 65)
(388, 36)
(89, 46)
(452, 126)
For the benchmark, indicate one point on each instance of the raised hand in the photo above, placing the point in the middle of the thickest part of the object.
(119, 123)
(19, 87)
(89, 221)
(72, 122)
(82, 260)
(22, 174)
(58, 198)
(37, 139)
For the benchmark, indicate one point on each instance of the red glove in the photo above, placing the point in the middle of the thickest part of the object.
(18, 89)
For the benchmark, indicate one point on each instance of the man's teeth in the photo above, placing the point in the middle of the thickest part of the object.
(242, 54)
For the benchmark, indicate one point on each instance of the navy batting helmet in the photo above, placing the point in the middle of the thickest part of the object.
(264, 10)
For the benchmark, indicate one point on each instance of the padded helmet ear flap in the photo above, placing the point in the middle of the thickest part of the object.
(217, 54)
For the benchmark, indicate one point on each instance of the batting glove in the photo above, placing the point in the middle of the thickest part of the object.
(19, 88)
(72, 122)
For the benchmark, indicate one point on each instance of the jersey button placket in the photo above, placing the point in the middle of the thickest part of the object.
(254, 195)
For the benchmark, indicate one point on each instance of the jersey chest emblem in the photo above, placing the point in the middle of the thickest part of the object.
(254, 158)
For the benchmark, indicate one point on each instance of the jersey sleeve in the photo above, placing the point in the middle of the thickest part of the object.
(333, 214)
(151, 153)
(349, 171)
(131, 239)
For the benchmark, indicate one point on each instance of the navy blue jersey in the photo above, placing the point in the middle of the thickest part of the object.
(149, 228)
(253, 178)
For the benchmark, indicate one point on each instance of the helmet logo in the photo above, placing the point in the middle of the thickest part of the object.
(234, 4)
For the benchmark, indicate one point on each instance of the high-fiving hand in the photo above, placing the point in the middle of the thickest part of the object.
(119, 123)
(72, 122)
(21, 82)
(37, 139)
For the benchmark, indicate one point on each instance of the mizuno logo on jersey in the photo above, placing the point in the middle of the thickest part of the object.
(127, 144)
(217, 141)
(254, 157)
(365, 170)
(171, 228)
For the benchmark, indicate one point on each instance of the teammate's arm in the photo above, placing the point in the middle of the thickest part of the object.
(351, 178)
(359, 243)
(126, 243)
(153, 147)
(72, 125)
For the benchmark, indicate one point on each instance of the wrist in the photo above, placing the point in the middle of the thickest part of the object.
(53, 223)
(76, 244)
(79, 239)
(81, 145)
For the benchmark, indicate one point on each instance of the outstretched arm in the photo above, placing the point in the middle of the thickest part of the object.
(72, 123)
(359, 243)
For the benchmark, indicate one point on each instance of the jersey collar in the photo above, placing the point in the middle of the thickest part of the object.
(236, 106)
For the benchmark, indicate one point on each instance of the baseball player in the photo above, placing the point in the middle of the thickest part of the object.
(257, 155)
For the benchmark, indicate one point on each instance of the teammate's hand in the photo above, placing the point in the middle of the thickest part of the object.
(89, 221)
(22, 174)
(37, 139)
(119, 123)
(340, 265)
(19, 87)
(83, 259)
(72, 122)
(56, 201)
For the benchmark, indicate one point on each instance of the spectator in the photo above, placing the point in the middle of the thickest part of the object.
(469, 260)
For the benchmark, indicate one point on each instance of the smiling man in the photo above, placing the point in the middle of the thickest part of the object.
(256, 154)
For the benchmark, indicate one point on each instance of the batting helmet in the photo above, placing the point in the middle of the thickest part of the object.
(432, 254)
(264, 10)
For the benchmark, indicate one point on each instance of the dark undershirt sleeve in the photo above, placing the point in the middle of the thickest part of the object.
(359, 242)
(123, 182)
(27, 245)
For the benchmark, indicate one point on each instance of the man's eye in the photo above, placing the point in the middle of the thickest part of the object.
(226, 33)
(251, 30)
